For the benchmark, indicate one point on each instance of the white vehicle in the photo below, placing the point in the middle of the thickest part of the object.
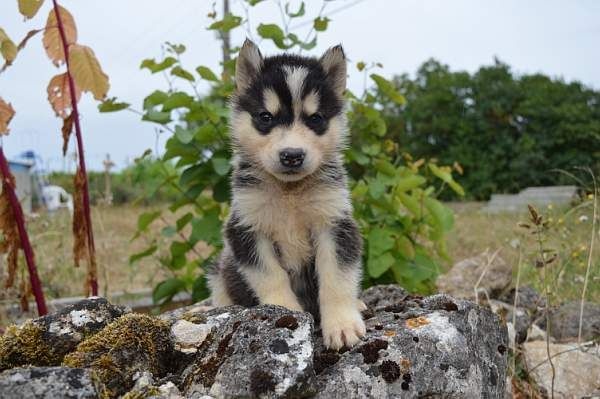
(56, 197)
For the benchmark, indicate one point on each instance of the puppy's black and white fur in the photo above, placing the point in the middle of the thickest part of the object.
(290, 238)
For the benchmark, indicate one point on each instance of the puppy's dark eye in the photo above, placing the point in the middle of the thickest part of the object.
(316, 119)
(265, 117)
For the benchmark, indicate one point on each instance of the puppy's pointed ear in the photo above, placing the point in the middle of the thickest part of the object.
(333, 62)
(248, 65)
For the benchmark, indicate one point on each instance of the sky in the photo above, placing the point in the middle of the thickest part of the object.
(558, 38)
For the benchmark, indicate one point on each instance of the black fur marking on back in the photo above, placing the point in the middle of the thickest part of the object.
(305, 285)
(236, 286)
(273, 76)
(242, 241)
(348, 241)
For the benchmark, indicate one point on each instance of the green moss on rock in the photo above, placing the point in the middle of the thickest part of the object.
(132, 343)
(25, 345)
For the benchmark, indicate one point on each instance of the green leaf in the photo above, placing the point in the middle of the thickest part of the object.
(385, 167)
(377, 265)
(146, 219)
(446, 176)
(387, 88)
(166, 290)
(301, 11)
(222, 190)
(111, 105)
(273, 32)
(443, 216)
(182, 73)
(207, 229)
(200, 289)
(183, 135)
(376, 188)
(184, 220)
(143, 254)
(221, 165)
(175, 100)
(320, 23)
(206, 74)
(176, 48)
(408, 183)
(157, 117)
(380, 240)
(226, 24)
(155, 67)
(157, 97)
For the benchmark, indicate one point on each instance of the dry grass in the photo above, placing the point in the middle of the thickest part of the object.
(114, 227)
(568, 234)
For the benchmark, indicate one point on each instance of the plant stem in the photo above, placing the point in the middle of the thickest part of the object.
(81, 157)
(34, 279)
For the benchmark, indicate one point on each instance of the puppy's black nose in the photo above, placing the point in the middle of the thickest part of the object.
(291, 157)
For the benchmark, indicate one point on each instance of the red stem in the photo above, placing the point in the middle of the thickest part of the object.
(36, 286)
(79, 137)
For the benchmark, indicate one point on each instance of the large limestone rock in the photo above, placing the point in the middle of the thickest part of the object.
(436, 346)
(46, 340)
(47, 383)
(577, 373)
(430, 347)
(487, 274)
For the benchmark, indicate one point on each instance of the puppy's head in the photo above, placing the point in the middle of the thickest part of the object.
(288, 111)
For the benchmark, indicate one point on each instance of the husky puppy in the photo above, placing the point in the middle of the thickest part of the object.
(290, 239)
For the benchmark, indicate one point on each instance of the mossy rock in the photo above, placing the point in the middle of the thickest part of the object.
(26, 345)
(132, 343)
(45, 341)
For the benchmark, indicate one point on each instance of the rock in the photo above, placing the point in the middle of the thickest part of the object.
(564, 321)
(536, 334)
(262, 351)
(46, 340)
(462, 279)
(434, 347)
(380, 296)
(47, 383)
(131, 345)
(528, 298)
(577, 373)
(517, 320)
(188, 336)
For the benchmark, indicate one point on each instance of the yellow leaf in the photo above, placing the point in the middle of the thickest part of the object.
(30, 7)
(87, 72)
(6, 114)
(59, 95)
(52, 40)
(8, 49)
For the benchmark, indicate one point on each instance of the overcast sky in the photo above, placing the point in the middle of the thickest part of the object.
(559, 38)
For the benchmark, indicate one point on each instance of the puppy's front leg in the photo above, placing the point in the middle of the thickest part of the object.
(268, 279)
(339, 273)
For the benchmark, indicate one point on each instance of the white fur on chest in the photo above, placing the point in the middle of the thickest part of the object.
(290, 218)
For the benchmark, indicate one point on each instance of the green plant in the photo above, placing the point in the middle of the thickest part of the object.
(394, 196)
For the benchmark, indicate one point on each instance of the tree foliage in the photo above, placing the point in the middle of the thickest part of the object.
(507, 131)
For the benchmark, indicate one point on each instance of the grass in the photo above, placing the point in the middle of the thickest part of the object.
(568, 235)
(475, 231)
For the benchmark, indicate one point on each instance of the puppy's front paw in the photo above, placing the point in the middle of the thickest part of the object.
(342, 327)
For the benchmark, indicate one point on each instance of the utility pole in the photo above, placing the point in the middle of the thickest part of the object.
(225, 37)
(108, 164)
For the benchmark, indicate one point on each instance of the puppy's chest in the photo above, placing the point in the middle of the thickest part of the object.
(289, 220)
